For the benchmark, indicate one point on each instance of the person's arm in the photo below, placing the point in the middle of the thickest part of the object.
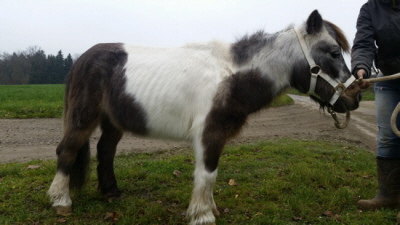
(364, 49)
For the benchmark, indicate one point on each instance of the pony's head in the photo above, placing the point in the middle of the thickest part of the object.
(327, 78)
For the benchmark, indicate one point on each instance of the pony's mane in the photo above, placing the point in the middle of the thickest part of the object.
(249, 45)
(338, 34)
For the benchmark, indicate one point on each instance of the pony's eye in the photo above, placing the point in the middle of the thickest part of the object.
(335, 55)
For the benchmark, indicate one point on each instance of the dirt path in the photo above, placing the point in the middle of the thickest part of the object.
(24, 140)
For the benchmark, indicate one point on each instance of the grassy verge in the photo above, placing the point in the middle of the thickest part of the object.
(368, 94)
(278, 182)
(31, 101)
(46, 101)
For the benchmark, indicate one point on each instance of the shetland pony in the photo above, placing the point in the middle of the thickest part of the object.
(202, 93)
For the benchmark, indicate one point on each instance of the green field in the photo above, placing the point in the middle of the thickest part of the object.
(279, 182)
(31, 101)
(367, 94)
(46, 101)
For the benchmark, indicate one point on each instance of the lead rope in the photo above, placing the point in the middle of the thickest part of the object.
(337, 122)
(393, 118)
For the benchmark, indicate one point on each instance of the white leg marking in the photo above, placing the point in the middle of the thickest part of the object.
(59, 191)
(202, 206)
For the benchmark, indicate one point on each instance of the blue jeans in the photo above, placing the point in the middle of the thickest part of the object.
(387, 96)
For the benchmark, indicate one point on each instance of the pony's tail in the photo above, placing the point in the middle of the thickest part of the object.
(80, 169)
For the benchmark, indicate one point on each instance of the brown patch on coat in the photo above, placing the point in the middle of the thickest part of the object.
(95, 92)
(239, 95)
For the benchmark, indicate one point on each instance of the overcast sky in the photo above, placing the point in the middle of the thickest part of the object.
(75, 25)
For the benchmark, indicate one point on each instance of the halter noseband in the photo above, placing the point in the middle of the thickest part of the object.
(315, 71)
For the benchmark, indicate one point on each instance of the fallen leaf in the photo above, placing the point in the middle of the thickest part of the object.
(327, 213)
(1, 179)
(62, 220)
(226, 210)
(367, 177)
(297, 218)
(113, 216)
(236, 196)
(232, 182)
(177, 173)
(108, 215)
(338, 218)
(334, 216)
(257, 214)
(33, 167)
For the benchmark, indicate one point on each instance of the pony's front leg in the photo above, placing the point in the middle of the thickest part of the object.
(202, 207)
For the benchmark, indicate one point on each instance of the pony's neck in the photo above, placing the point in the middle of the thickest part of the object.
(275, 55)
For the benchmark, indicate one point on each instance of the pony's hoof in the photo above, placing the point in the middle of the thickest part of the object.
(216, 212)
(63, 210)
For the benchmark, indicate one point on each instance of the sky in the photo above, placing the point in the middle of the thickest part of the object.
(73, 26)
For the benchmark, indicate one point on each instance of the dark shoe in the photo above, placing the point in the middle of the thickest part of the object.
(389, 186)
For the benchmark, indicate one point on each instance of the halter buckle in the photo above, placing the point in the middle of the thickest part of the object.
(340, 87)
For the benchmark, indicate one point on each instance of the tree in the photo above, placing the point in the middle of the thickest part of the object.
(59, 68)
(38, 61)
(33, 66)
(17, 69)
(67, 64)
(5, 68)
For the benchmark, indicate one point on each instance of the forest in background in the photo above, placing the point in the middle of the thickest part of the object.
(33, 66)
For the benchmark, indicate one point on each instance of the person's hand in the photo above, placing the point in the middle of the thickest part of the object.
(362, 83)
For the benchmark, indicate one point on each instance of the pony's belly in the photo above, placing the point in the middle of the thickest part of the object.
(169, 129)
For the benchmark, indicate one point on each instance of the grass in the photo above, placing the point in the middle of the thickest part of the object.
(31, 101)
(279, 182)
(367, 94)
(46, 101)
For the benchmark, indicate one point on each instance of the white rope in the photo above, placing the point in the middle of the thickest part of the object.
(396, 111)
(385, 78)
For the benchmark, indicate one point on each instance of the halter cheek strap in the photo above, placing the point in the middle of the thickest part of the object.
(316, 72)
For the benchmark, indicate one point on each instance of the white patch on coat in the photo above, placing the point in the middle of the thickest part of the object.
(176, 86)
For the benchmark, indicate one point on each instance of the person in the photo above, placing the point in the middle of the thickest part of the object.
(377, 40)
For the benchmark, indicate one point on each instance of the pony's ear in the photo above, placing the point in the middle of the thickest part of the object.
(314, 22)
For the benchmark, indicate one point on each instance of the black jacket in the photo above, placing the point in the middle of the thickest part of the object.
(377, 37)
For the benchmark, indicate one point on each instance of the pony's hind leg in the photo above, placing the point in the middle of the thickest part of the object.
(106, 149)
(73, 154)
(72, 163)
